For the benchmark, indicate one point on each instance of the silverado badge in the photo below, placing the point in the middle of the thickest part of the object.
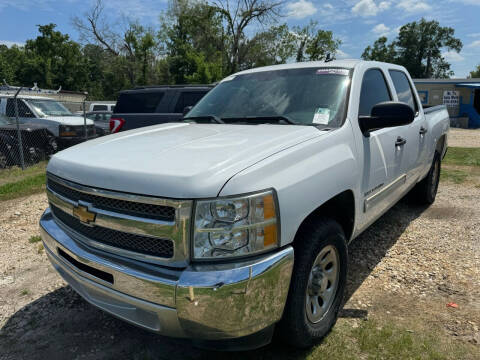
(82, 214)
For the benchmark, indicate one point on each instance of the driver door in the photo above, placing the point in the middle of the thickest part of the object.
(383, 179)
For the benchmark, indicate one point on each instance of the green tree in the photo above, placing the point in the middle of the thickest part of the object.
(192, 35)
(418, 47)
(274, 46)
(313, 43)
(53, 60)
(475, 73)
(380, 51)
(238, 15)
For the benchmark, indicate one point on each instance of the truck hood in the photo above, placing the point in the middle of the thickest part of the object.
(175, 160)
(69, 120)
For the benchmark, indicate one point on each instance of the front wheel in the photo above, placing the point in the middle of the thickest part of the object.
(317, 285)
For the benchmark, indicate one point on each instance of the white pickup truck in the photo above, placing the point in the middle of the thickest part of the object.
(237, 220)
(67, 128)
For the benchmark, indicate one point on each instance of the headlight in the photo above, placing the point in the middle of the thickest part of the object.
(67, 130)
(237, 226)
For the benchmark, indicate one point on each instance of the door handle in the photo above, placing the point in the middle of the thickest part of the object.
(423, 130)
(400, 141)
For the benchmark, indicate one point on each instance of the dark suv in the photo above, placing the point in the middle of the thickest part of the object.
(153, 105)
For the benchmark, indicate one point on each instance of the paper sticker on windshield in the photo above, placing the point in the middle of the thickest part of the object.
(331, 71)
(322, 116)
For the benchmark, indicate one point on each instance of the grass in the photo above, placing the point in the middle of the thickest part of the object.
(27, 186)
(462, 156)
(24, 292)
(16, 173)
(34, 239)
(455, 176)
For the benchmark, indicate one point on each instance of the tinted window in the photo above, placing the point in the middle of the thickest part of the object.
(187, 99)
(374, 91)
(403, 89)
(23, 110)
(138, 102)
(100, 107)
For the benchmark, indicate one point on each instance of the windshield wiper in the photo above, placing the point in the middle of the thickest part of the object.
(215, 118)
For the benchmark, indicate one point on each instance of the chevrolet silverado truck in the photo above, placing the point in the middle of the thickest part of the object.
(235, 223)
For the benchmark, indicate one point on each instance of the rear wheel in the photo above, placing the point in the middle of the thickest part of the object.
(317, 285)
(426, 190)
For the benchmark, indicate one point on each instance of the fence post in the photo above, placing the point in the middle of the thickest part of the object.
(19, 135)
(84, 119)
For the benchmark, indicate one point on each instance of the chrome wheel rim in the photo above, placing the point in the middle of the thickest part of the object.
(322, 284)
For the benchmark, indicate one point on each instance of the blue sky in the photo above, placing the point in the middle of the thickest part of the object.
(356, 22)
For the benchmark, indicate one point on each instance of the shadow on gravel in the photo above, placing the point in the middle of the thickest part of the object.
(61, 325)
(367, 250)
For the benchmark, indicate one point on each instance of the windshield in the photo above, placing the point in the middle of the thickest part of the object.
(308, 96)
(46, 108)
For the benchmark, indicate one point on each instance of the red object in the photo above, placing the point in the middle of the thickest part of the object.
(452, 305)
(116, 124)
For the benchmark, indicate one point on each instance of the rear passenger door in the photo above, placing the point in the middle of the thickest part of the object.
(415, 149)
(383, 178)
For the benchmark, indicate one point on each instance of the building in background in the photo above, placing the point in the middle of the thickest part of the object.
(461, 96)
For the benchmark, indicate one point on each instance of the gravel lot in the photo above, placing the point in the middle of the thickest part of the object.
(406, 267)
(464, 137)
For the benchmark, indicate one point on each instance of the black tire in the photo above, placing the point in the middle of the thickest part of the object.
(295, 327)
(425, 191)
(3, 159)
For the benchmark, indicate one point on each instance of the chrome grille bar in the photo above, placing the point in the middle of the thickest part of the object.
(176, 230)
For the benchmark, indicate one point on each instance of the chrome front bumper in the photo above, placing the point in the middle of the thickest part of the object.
(208, 302)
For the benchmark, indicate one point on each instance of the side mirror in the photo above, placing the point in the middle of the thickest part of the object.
(186, 110)
(386, 114)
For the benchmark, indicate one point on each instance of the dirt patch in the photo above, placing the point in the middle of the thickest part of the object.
(405, 268)
(464, 137)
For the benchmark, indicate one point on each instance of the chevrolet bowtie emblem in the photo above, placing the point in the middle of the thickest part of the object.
(82, 214)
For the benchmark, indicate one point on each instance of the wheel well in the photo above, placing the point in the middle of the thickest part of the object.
(340, 208)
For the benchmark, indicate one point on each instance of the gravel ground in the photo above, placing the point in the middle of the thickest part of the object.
(464, 137)
(406, 267)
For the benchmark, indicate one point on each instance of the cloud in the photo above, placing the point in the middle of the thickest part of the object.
(11, 43)
(366, 8)
(474, 35)
(452, 56)
(475, 44)
(301, 9)
(342, 55)
(381, 29)
(413, 6)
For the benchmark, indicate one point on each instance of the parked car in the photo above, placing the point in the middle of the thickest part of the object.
(37, 143)
(94, 107)
(236, 221)
(51, 114)
(101, 120)
(147, 106)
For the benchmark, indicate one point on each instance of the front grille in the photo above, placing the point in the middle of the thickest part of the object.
(136, 243)
(149, 211)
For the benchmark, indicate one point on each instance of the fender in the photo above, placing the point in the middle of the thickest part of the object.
(321, 167)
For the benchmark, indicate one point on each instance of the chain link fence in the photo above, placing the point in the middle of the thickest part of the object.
(34, 127)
